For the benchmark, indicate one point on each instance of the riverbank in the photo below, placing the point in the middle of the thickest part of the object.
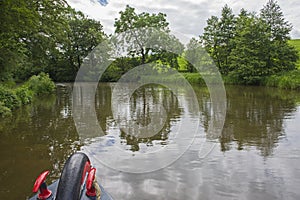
(12, 96)
(285, 80)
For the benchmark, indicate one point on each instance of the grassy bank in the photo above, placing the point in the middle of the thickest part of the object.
(287, 80)
(12, 97)
(192, 78)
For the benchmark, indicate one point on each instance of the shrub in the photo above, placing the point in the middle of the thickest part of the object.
(194, 78)
(13, 98)
(24, 94)
(40, 84)
(4, 111)
(9, 98)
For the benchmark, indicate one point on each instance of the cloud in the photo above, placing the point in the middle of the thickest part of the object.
(185, 16)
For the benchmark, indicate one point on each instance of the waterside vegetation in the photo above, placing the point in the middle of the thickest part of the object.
(48, 40)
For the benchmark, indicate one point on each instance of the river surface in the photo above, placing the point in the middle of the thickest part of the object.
(255, 156)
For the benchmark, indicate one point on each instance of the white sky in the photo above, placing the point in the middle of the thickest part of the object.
(185, 16)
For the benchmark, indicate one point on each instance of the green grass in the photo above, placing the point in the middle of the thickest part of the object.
(192, 78)
(287, 80)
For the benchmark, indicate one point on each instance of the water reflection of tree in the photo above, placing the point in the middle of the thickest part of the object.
(141, 104)
(255, 117)
(41, 136)
(103, 105)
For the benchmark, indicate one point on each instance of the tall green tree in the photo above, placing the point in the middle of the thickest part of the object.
(44, 36)
(211, 40)
(83, 35)
(227, 33)
(281, 56)
(247, 58)
(192, 53)
(16, 19)
(43, 43)
(217, 37)
(145, 35)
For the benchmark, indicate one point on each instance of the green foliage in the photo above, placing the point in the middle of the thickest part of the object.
(247, 57)
(112, 74)
(9, 98)
(194, 78)
(4, 111)
(217, 38)
(41, 84)
(249, 47)
(44, 36)
(9, 83)
(183, 63)
(147, 36)
(84, 35)
(24, 94)
(192, 54)
(287, 80)
(296, 45)
(12, 98)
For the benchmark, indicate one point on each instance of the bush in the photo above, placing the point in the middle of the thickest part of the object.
(9, 98)
(24, 94)
(13, 98)
(194, 78)
(4, 111)
(41, 84)
(9, 84)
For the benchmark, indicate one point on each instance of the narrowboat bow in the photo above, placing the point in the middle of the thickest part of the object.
(77, 182)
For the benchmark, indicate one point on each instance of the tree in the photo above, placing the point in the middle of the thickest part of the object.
(278, 28)
(217, 37)
(210, 39)
(227, 28)
(281, 56)
(247, 58)
(146, 34)
(44, 40)
(44, 36)
(16, 19)
(191, 53)
(83, 35)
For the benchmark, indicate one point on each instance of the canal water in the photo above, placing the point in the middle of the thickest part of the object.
(255, 156)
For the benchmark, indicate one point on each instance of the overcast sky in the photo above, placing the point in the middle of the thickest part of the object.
(185, 16)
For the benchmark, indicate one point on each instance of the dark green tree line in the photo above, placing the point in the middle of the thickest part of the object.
(249, 47)
(44, 36)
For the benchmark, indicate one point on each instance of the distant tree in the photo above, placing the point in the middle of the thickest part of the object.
(278, 28)
(191, 53)
(250, 47)
(147, 35)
